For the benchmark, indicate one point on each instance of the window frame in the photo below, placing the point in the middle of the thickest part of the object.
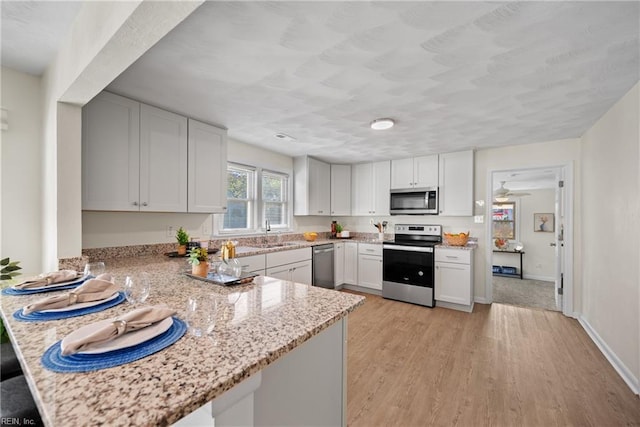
(257, 219)
(252, 193)
(514, 221)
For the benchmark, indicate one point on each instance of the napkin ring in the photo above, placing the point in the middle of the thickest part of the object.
(121, 326)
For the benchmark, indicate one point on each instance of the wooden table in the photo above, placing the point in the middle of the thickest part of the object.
(509, 274)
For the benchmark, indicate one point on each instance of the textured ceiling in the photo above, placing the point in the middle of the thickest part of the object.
(454, 75)
(32, 31)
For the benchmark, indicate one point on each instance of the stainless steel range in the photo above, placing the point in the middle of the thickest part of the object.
(408, 272)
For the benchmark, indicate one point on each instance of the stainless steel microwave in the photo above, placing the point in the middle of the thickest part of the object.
(417, 201)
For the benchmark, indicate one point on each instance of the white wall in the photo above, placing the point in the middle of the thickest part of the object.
(21, 164)
(552, 153)
(539, 259)
(610, 229)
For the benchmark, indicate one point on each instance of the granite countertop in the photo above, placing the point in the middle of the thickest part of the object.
(468, 247)
(260, 323)
(243, 250)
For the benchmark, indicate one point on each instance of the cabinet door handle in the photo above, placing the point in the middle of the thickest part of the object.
(135, 203)
(451, 257)
(145, 204)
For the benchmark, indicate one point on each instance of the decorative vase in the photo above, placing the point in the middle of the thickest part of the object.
(182, 249)
(201, 269)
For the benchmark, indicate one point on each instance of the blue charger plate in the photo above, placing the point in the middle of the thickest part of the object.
(38, 316)
(11, 291)
(53, 359)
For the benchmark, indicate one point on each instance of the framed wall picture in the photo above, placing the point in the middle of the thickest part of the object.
(544, 222)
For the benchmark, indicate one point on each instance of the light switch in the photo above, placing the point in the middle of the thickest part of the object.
(478, 219)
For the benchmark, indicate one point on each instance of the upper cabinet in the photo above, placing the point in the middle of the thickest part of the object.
(163, 160)
(140, 158)
(111, 154)
(370, 183)
(207, 168)
(456, 184)
(341, 190)
(417, 172)
(311, 187)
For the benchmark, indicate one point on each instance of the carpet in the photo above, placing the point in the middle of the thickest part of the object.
(526, 293)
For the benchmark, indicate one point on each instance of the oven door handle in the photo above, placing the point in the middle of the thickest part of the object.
(407, 248)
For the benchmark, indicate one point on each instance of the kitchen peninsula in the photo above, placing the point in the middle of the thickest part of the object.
(277, 356)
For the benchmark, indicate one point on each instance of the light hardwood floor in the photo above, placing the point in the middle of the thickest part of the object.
(498, 366)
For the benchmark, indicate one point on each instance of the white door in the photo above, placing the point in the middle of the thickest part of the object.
(559, 243)
(341, 190)
(380, 190)
(361, 197)
(452, 283)
(111, 153)
(402, 174)
(319, 185)
(163, 160)
(370, 271)
(207, 168)
(301, 272)
(338, 263)
(283, 272)
(425, 171)
(351, 263)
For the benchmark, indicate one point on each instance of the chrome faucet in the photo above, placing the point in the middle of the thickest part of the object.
(267, 229)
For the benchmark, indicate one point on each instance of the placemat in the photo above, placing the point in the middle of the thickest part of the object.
(37, 316)
(11, 291)
(54, 361)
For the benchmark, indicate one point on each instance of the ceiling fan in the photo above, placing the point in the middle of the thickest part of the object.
(502, 194)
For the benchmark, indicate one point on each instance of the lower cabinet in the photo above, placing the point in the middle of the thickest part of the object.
(454, 278)
(370, 266)
(293, 265)
(350, 263)
(338, 264)
(253, 264)
(299, 272)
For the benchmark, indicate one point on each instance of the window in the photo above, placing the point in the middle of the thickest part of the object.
(253, 196)
(241, 198)
(274, 199)
(504, 220)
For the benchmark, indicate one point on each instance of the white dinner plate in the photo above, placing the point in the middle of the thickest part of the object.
(57, 285)
(127, 340)
(80, 305)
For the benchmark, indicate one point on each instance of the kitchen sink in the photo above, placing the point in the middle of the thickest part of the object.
(276, 245)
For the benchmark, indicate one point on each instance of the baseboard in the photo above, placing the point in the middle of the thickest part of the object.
(362, 289)
(611, 356)
(481, 300)
(542, 278)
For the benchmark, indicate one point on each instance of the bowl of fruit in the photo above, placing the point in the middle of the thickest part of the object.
(458, 239)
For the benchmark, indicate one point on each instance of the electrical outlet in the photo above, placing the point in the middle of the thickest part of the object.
(170, 230)
(478, 219)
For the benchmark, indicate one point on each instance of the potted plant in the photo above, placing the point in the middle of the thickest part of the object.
(339, 229)
(183, 238)
(198, 260)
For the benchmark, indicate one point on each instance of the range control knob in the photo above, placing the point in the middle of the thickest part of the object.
(420, 273)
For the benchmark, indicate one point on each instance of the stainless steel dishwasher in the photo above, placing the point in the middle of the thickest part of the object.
(323, 266)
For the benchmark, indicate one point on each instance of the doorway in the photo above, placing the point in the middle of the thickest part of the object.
(529, 211)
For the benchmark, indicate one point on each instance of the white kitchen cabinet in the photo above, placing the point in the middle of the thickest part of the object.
(111, 153)
(454, 278)
(370, 188)
(370, 266)
(350, 263)
(207, 168)
(338, 263)
(340, 190)
(311, 186)
(253, 264)
(416, 172)
(293, 265)
(136, 157)
(163, 160)
(299, 272)
(456, 184)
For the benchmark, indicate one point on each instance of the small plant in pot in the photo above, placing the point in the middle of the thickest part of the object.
(183, 238)
(199, 261)
(339, 229)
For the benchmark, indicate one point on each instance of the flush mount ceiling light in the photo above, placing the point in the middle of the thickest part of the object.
(382, 124)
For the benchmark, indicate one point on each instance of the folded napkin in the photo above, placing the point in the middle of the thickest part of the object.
(48, 279)
(132, 321)
(92, 290)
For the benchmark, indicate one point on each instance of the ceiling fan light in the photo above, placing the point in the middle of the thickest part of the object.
(502, 199)
(382, 124)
